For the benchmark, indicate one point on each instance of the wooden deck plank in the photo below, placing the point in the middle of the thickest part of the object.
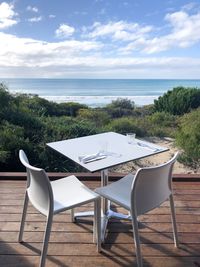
(85, 237)
(160, 210)
(103, 261)
(113, 227)
(66, 218)
(89, 249)
(195, 203)
(71, 243)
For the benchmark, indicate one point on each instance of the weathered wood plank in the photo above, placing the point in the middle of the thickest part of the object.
(85, 237)
(89, 250)
(66, 217)
(160, 210)
(103, 261)
(113, 227)
(178, 203)
(18, 209)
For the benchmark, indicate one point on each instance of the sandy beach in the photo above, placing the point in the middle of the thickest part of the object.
(158, 159)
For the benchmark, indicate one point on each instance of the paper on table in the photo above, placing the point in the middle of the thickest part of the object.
(92, 157)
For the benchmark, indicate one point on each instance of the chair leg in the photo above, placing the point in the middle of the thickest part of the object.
(137, 241)
(21, 231)
(46, 240)
(97, 223)
(72, 215)
(174, 225)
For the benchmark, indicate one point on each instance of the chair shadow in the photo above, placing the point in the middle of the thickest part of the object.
(81, 222)
(38, 251)
(8, 255)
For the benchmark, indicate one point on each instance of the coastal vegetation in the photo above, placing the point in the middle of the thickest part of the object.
(29, 122)
(188, 137)
(179, 101)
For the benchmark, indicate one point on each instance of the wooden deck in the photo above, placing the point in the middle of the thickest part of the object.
(71, 243)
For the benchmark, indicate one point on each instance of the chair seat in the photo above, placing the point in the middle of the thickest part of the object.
(69, 192)
(118, 192)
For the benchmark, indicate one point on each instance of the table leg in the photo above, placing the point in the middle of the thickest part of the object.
(104, 182)
(104, 203)
(106, 212)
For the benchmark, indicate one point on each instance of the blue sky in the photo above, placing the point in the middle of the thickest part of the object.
(100, 39)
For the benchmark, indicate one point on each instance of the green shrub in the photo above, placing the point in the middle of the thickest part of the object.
(58, 128)
(143, 111)
(178, 101)
(11, 140)
(120, 107)
(125, 125)
(42, 107)
(123, 103)
(70, 108)
(6, 101)
(188, 137)
(98, 116)
(161, 124)
(158, 124)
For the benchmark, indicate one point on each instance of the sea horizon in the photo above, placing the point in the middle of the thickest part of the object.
(96, 92)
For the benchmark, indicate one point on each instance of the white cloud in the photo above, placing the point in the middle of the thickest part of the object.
(64, 59)
(7, 15)
(51, 16)
(32, 8)
(64, 31)
(26, 57)
(119, 30)
(185, 32)
(35, 19)
(27, 52)
(189, 6)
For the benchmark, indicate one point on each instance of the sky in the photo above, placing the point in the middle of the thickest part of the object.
(134, 39)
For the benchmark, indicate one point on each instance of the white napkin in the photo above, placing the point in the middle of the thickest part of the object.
(92, 157)
(148, 146)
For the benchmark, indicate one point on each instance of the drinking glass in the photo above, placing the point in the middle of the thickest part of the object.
(103, 146)
(130, 138)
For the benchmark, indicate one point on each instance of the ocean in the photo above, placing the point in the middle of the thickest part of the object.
(96, 92)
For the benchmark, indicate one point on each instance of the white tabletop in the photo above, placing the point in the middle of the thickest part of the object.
(118, 148)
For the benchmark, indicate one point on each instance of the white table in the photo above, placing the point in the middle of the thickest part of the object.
(118, 151)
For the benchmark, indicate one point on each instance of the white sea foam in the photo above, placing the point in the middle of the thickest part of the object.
(100, 101)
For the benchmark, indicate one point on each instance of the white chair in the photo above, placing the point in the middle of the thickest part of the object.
(50, 198)
(148, 189)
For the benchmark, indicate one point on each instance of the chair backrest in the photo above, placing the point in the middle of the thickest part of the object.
(151, 187)
(38, 186)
